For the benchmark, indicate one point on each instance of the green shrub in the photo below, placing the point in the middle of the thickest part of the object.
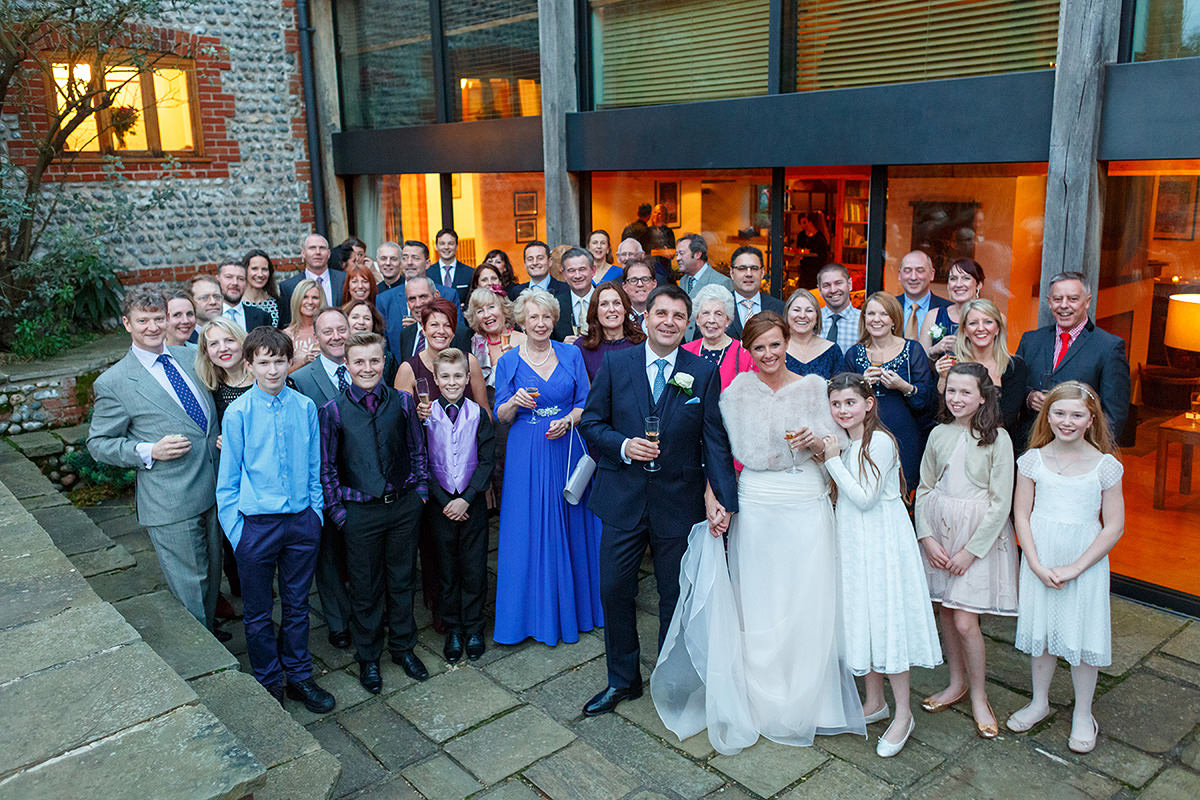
(93, 472)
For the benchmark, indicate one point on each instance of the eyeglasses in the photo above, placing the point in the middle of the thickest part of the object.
(638, 281)
(745, 268)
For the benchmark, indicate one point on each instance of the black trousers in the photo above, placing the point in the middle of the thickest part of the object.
(621, 554)
(381, 555)
(462, 565)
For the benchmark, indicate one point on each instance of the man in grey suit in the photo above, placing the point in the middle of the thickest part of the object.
(153, 415)
(692, 253)
(314, 249)
(322, 380)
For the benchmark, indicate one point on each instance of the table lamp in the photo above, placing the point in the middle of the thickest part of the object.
(1183, 333)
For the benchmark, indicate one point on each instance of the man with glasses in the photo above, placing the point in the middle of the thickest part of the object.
(638, 281)
(746, 268)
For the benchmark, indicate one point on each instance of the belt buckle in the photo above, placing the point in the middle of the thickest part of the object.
(389, 498)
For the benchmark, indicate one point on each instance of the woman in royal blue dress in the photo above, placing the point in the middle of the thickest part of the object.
(807, 352)
(898, 370)
(548, 576)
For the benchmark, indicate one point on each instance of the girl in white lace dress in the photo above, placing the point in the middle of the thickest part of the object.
(887, 620)
(963, 504)
(1069, 513)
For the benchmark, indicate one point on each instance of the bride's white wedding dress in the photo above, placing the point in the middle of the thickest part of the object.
(753, 646)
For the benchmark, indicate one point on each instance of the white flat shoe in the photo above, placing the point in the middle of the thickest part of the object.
(1085, 745)
(878, 716)
(885, 749)
(1019, 725)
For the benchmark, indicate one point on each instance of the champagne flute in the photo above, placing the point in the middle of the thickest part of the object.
(790, 436)
(505, 340)
(652, 436)
(535, 393)
(423, 394)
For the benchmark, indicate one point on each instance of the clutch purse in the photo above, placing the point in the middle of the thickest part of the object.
(577, 481)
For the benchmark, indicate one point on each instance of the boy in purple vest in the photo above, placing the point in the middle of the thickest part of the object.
(461, 442)
(373, 472)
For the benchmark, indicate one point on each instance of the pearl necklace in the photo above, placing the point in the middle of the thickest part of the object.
(533, 363)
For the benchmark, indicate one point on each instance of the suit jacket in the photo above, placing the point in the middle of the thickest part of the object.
(694, 444)
(393, 307)
(768, 302)
(337, 282)
(255, 317)
(1097, 358)
(462, 278)
(565, 325)
(313, 382)
(707, 277)
(407, 340)
(131, 407)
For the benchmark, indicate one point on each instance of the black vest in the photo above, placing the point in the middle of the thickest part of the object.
(374, 448)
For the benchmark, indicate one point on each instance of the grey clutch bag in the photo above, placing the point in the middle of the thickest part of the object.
(577, 481)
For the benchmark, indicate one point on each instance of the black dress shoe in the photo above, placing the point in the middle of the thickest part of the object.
(276, 691)
(412, 665)
(339, 639)
(607, 700)
(453, 649)
(369, 677)
(221, 635)
(315, 699)
(475, 646)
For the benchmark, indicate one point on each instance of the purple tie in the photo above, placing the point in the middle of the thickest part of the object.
(452, 413)
(449, 276)
(420, 345)
(370, 402)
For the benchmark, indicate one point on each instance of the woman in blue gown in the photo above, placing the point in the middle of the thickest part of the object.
(807, 352)
(898, 369)
(548, 575)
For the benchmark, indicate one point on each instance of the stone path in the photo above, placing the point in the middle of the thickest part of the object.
(509, 727)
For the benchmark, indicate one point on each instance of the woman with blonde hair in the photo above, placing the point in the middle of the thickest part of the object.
(307, 302)
(983, 338)
(809, 353)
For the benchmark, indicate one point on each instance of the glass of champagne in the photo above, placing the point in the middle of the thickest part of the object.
(423, 394)
(652, 436)
(505, 339)
(790, 436)
(535, 393)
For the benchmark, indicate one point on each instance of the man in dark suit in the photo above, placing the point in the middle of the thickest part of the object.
(659, 508)
(315, 252)
(640, 228)
(324, 378)
(916, 273)
(232, 279)
(153, 415)
(405, 340)
(1074, 349)
(746, 268)
(414, 261)
(638, 280)
(388, 257)
(449, 271)
(537, 264)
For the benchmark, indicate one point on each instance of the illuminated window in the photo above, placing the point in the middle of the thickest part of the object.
(152, 111)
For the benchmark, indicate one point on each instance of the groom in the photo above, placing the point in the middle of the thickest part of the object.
(656, 508)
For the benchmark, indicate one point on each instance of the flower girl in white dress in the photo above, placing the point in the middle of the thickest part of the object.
(887, 619)
(1069, 513)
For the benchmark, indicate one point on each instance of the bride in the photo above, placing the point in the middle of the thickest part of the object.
(753, 647)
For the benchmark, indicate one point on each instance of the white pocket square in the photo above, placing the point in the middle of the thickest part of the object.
(693, 400)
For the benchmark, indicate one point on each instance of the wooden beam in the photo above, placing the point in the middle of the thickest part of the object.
(560, 96)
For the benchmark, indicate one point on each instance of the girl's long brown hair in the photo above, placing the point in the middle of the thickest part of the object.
(1098, 434)
(987, 420)
(871, 422)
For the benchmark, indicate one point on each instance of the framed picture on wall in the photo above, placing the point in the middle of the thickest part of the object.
(666, 194)
(526, 229)
(1175, 207)
(524, 204)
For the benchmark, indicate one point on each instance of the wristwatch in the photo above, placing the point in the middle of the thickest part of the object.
(911, 391)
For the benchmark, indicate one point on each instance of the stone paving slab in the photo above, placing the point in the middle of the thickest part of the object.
(448, 704)
(913, 762)
(85, 701)
(1117, 760)
(206, 761)
(98, 562)
(142, 578)
(945, 732)
(110, 509)
(563, 697)
(71, 635)
(37, 444)
(120, 524)
(768, 768)
(642, 713)
(838, 780)
(44, 501)
(395, 789)
(505, 745)
(23, 478)
(359, 769)
(1004, 768)
(388, 736)
(1178, 669)
(254, 717)
(657, 766)
(72, 531)
(1191, 755)
(39, 584)
(511, 789)
(1148, 712)
(1186, 643)
(177, 636)
(538, 663)
(311, 777)
(1011, 667)
(441, 778)
(579, 771)
(1137, 630)
(76, 434)
(136, 542)
(1174, 784)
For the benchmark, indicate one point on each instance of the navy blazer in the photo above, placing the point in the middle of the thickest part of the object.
(393, 307)
(462, 278)
(1097, 358)
(407, 340)
(337, 282)
(694, 444)
(566, 325)
(769, 303)
(255, 318)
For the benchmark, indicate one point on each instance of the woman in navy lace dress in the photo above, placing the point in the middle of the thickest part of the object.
(807, 352)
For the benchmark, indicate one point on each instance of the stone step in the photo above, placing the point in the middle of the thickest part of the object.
(177, 636)
(38, 444)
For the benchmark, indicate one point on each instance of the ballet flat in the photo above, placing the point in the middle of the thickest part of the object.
(878, 716)
(936, 707)
(988, 730)
(1081, 746)
(1020, 727)
(885, 749)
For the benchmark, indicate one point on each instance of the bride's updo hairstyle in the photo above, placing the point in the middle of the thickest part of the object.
(759, 324)
(871, 422)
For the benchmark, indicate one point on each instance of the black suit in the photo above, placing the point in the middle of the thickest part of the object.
(566, 324)
(768, 303)
(255, 317)
(1096, 358)
(461, 280)
(337, 282)
(408, 340)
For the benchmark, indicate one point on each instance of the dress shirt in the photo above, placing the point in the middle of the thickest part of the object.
(149, 360)
(847, 332)
(446, 272)
(270, 458)
(579, 308)
(740, 309)
(323, 280)
(543, 284)
(1073, 334)
(922, 309)
(651, 373)
(236, 313)
(337, 494)
(331, 367)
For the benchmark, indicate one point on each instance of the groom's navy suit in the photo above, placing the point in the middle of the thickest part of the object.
(639, 507)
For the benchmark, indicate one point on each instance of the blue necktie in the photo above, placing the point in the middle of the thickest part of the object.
(660, 380)
(190, 404)
(343, 381)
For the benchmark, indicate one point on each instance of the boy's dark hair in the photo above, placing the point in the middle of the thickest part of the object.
(274, 341)
(363, 339)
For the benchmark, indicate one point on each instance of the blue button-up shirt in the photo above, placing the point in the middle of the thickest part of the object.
(270, 458)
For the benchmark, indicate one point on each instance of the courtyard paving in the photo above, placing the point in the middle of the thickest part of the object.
(510, 727)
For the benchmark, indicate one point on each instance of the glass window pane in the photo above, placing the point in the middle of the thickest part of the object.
(670, 51)
(498, 211)
(84, 137)
(1166, 29)
(842, 43)
(825, 221)
(1150, 252)
(174, 109)
(494, 64)
(125, 114)
(385, 68)
(411, 206)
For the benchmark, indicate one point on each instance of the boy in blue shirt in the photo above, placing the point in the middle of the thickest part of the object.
(269, 502)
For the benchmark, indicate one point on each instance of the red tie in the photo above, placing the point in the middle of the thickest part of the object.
(1065, 338)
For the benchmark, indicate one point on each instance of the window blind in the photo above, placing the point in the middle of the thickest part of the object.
(842, 43)
(669, 51)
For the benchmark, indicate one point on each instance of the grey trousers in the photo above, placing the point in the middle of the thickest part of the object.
(189, 553)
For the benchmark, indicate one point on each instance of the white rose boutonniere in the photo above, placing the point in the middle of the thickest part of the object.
(683, 382)
(936, 333)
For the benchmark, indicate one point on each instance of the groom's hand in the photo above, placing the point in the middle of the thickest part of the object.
(718, 517)
(641, 449)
